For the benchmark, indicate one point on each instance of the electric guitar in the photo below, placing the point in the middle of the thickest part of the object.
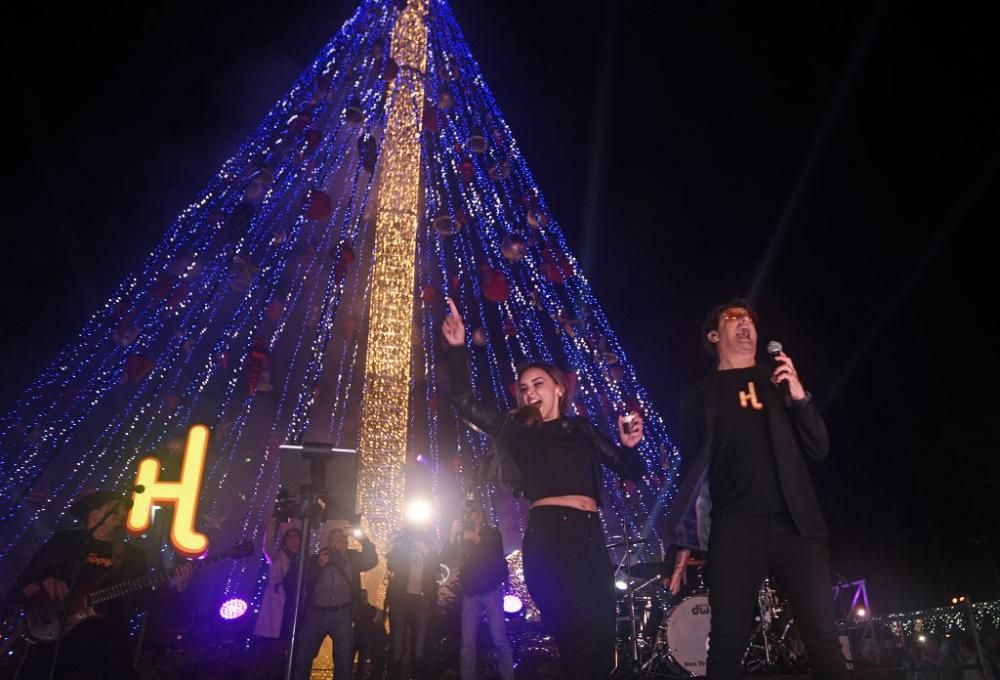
(42, 616)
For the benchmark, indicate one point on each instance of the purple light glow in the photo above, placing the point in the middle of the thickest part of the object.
(512, 604)
(233, 608)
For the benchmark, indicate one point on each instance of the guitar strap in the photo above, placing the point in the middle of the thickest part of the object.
(118, 555)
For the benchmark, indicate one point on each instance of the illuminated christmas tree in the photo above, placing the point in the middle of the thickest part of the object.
(300, 296)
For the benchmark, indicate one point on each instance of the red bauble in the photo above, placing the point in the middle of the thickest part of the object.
(318, 205)
(137, 367)
(556, 266)
(495, 286)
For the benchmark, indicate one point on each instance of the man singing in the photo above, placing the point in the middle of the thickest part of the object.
(752, 429)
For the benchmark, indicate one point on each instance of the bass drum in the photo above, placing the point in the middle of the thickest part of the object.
(687, 629)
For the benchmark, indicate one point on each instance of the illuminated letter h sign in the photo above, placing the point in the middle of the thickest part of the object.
(182, 494)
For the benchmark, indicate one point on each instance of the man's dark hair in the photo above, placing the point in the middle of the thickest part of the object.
(711, 322)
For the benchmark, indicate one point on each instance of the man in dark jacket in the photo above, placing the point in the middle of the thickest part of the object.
(752, 430)
(482, 576)
(332, 591)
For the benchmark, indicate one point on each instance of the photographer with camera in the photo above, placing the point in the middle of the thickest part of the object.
(331, 594)
(483, 574)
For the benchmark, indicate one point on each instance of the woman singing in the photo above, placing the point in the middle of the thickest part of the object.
(566, 564)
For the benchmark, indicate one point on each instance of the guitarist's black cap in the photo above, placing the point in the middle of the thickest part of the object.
(84, 504)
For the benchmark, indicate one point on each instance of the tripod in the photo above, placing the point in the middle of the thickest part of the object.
(309, 508)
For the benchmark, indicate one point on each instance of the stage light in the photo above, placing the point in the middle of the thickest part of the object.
(862, 613)
(621, 584)
(512, 604)
(921, 638)
(357, 533)
(233, 608)
(419, 512)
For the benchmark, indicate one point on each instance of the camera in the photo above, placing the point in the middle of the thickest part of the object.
(627, 422)
(284, 506)
(468, 521)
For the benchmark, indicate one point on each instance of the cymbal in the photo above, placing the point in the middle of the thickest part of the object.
(637, 541)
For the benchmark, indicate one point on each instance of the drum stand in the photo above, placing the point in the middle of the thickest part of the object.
(631, 546)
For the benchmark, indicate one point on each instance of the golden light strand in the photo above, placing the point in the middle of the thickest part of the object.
(385, 402)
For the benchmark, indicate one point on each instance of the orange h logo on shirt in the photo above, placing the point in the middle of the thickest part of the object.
(748, 399)
(182, 494)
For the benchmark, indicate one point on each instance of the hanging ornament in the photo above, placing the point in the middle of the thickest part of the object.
(446, 98)
(298, 122)
(264, 383)
(454, 282)
(567, 323)
(390, 70)
(344, 260)
(254, 191)
(137, 367)
(536, 302)
(367, 151)
(161, 287)
(242, 274)
(571, 381)
(126, 332)
(428, 294)
(509, 327)
(319, 207)
(265, 177)
(176, 298)
(446, 69)
(556, 266)
(430, 121)
(275, 310)
(479, 337)
(321, 85)
(170, 402)
(513, 248)
(494, 283)
(239, 220)
(467, 170)
(445, 226)
(259, 360)
(312, 139)
(355, 112)
(477, 141)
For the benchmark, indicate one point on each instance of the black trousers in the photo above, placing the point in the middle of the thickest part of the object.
(570, 577)
(743, 551)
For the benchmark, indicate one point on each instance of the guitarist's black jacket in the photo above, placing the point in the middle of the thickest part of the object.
(98, 644)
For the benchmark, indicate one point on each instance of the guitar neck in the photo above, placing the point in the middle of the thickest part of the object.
(149, 580)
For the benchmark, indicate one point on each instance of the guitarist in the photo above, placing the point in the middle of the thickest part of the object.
(89, 557)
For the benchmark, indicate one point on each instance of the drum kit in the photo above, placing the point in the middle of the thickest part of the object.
(664, 636)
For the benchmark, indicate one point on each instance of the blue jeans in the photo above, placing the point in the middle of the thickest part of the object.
(316, 625)
(472, 614)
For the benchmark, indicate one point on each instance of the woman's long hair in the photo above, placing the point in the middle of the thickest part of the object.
(529, 414)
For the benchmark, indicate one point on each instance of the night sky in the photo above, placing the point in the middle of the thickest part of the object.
(844, 158)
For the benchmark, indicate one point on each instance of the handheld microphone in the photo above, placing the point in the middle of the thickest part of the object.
(774, 348)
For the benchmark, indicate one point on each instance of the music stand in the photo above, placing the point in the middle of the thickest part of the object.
(310, 468)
